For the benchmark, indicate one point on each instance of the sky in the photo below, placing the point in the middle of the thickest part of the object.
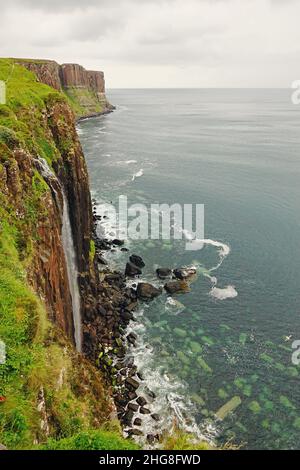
(161, 43)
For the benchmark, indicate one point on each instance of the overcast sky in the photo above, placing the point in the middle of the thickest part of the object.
(161, 43)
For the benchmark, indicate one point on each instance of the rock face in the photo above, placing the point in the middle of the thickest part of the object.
(163, 273)
(146, 291)
(47, 271)
(86, 87)
(177, 287)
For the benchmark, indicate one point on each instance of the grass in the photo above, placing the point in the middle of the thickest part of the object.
(181, 440)
(92, 440)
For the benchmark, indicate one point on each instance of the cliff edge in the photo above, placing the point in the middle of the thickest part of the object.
(84, 89)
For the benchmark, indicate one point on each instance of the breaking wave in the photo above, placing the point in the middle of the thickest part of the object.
(138, 174)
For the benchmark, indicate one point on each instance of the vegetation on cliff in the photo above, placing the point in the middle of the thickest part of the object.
(47, 389)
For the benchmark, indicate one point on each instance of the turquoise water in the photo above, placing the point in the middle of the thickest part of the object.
(236, 152)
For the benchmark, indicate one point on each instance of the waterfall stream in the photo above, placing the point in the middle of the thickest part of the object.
(68, 246)
(70, 255)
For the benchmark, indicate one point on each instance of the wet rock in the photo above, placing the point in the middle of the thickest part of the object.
(131, 338)
(132, 371)
(115, 279)
(118, 242)
(141, 401)
(184, 273)
(101, 260)
(155, 416)
(147, 291)
(120, 401)
(129, 361)
(163, 273)
(127, 418)
(131, 383)
(127, 316)
(131, 306)
(140, 375)
(152, 438)
(151, 395)
(132, 270)
(124, 249)
(137, 261)
(137, 422)
(133, 406)
(144, 411)
(132, 396)
(177, 287)
(135, 432)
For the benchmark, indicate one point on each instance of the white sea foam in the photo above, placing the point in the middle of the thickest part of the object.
(129, 162)
(138, 174)
(228, 292)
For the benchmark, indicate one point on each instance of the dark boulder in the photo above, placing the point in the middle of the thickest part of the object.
(155, 416)
(135, 432)
(137, 422)
(177, 287)
(118, 242)
(127, 418)
(144, 411)
(131, 383)
(132, 270)
(137, 260)
(184, 273)
(141, 401)
(163, 273)
(147, 291)
(133, 406)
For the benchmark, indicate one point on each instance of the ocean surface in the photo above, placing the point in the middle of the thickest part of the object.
(238, 153)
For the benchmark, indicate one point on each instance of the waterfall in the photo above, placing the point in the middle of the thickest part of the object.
(68, 245)
(70, 255)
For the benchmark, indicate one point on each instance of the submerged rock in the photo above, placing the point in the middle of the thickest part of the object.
(230, 406)
(177, 287)
(147, 291)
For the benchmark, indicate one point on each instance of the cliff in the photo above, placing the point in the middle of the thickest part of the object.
(47, 389)
(85, 89)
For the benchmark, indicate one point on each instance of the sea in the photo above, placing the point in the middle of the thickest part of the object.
(221, 358)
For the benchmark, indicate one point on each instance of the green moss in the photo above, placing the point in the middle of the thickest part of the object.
(92, 440)
(92, 250)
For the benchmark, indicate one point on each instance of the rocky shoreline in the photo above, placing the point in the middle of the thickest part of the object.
(106, 339)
